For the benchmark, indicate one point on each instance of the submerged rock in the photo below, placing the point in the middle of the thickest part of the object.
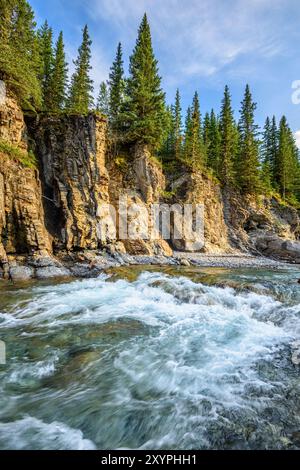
(185, 262)
(296, 353)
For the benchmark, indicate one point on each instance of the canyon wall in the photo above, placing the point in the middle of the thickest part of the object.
(59, 204)
(22, 226)
(71, 153)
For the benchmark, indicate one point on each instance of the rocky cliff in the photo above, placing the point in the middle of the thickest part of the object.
(71, 154)
(68, 202)
(22, 226)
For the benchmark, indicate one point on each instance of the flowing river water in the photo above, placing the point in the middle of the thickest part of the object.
(152, 358)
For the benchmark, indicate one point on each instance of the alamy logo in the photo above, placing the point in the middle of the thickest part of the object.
(2, 353)
(2, 92)
(134, 221)
(296, 94)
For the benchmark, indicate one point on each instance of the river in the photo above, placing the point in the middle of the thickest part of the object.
(152, 358)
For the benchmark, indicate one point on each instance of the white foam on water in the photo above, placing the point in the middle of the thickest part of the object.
(30, 433)
(38, 370)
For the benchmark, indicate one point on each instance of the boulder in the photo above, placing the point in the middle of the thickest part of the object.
(272, 245)
(21, 273)
(52, 272)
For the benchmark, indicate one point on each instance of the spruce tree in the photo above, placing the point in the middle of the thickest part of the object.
(267, 156)
(45, 35)
(248, 175)
(274, 144)
(59, 78)
(80, 97)
(211, 140)
(187, 126)
(103, 99)
(116, 86)
(228, 141)
(287, 169)
(144, 110)
(166, 151)
(177, 120)
(19, 58)
(206, 134)
(213, 157)
(194, 151)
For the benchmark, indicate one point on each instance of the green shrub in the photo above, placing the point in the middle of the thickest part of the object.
(27, 159)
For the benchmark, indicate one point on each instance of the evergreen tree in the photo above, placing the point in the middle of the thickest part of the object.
(19, 58)
(213, 157)
(45, 35)
(274, 144)
(267, 156)
(228, 141)
(266, 148)
(144, 110)
(167, 149)
(103, 99)
(116, 87)
(248, 175)
(287, 169)
(194, 151)
(80, 97)
(211, 140)
(177, 125)
(206, 134)
(187, 126)
(59, 78)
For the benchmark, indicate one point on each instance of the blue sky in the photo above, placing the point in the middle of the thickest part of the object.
(200, 44)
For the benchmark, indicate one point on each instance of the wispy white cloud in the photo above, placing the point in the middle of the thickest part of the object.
(199, 38)
(297, 137)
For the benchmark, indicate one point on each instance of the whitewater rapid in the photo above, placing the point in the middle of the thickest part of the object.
(163, 361)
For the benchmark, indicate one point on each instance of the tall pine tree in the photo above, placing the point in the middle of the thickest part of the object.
(45, 35)
(267, 156)
(194, 150)
(116, 86)
(59, 78)
(80, 97)
(166, 151)
(248, 175)
(144, 109)
(206, 134)
(171, 150)
(214, 153)
(228, 141)
(103, 99)
(19, 54)
(287, 168)
(274, 136)
(177, 120)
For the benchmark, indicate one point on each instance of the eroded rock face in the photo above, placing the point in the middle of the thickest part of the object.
(147, 176)
(12, 126)
(276, 247)
(263, 226)
(140, 184)
(21, 211)
(78, 185)
(22, 227)
(75, 181)
(198, 189)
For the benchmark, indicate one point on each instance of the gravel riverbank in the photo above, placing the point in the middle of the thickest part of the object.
(90, 264)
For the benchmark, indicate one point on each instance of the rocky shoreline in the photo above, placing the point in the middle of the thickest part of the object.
(91, 263)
